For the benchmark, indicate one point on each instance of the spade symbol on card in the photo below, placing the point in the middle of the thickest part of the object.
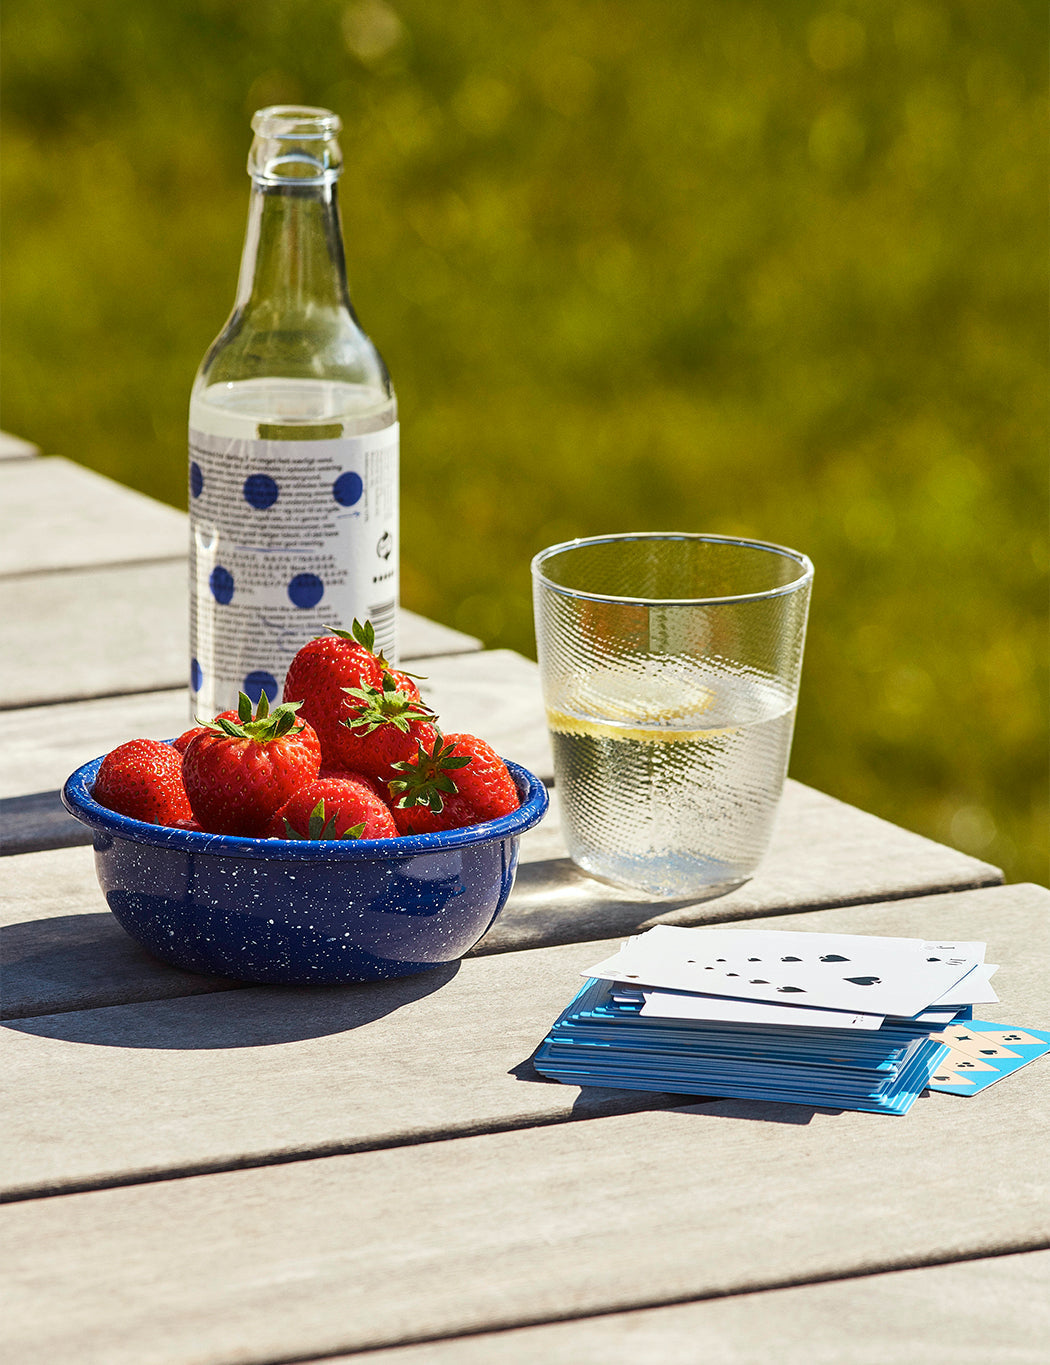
(863, 980)
(833, 957)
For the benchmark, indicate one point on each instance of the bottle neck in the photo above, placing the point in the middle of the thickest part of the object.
(293, 263)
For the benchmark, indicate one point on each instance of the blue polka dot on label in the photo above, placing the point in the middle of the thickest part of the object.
(196, 676)
(258, 682)
(305, 590)
(348, 488)
(260, 490)
(196, 479)
(221, 584)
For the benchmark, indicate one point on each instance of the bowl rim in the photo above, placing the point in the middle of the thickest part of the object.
(79, 802)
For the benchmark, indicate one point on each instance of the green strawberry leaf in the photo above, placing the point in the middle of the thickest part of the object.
(365, 635)
(263, 726)
(320, 828)
(385, 706)
(426, 776)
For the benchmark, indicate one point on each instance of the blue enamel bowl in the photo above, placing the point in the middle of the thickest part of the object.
(285, 912)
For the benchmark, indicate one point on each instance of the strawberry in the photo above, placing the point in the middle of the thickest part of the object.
(317, 677)
(458, 770)
(333, 808)
(237, 774)
(379, 788)
(143, 779)
(386, 726)
(456, 811)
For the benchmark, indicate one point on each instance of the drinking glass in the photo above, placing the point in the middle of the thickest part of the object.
(670, 666)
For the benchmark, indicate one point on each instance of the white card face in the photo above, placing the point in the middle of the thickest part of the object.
(671, 1005)
(855, 973)
(973, 989)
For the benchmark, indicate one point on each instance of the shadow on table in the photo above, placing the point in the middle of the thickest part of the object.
(85, 961)
(61, 973)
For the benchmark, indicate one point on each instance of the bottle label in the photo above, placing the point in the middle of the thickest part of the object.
(286, 537)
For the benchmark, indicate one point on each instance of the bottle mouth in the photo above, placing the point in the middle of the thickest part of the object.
(301, 121)
(295, 144)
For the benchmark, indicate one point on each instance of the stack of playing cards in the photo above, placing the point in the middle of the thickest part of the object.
(838, 1020)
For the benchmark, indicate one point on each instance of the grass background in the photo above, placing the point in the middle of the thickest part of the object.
(761, 267)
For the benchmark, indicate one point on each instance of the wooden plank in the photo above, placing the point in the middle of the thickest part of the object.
(969, 1313)
(108, 1095)
(14, 448)
(497, 1231)
(61, 949)
(58, 515)
(93, 632)
(41, 746)
(825, 853)
(122, 631)
(421, 638)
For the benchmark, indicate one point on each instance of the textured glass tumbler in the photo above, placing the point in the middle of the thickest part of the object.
(670, 667)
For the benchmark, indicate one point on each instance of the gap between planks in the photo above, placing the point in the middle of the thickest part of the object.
(81, 570)
(892, 1267)
(325, 1150)
(157, 687)
(136, 691)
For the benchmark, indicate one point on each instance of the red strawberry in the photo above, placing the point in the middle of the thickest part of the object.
(143, 779)
(379, 788)
(456, 811)
(237, 774)
(386, 727)
(333, 808)
(460, 768)
(318, 675)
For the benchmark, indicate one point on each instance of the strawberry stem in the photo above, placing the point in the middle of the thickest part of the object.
(262, 726)
(426, 776)
(319, 828)
(385, 706)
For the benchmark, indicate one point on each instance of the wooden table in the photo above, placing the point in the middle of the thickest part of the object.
(203, 1172)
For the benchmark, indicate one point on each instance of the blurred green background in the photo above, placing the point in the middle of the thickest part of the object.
(756, 267)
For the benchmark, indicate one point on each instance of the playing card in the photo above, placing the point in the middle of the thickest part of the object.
(973, 989)
(983, 1053)
(598, 1041)
(993, 1042)
(684, 1005)
(855, 973)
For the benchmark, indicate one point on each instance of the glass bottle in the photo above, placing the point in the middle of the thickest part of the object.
(293, 437)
